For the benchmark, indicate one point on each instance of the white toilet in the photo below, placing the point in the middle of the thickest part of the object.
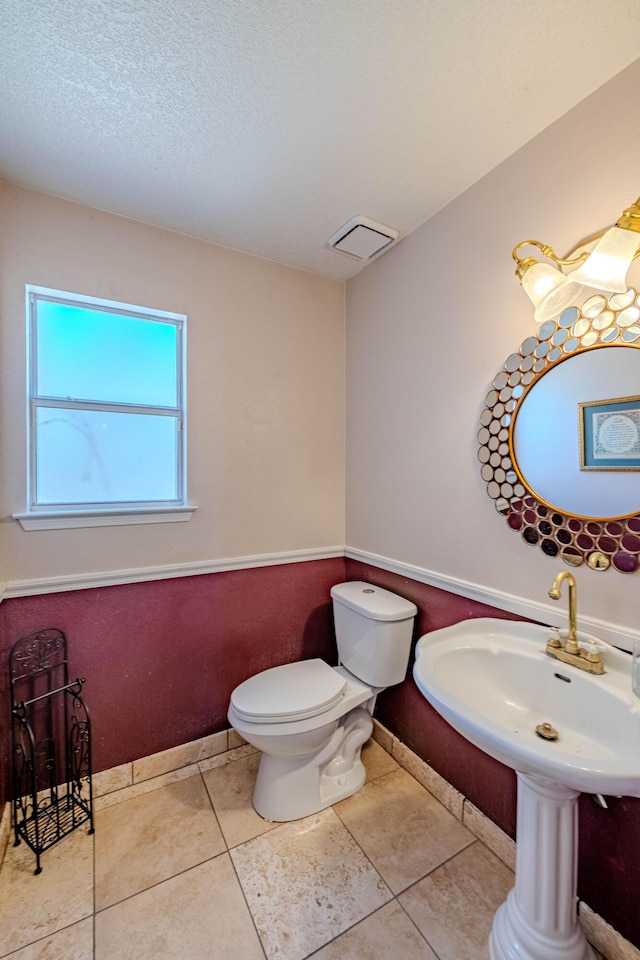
(310, 720)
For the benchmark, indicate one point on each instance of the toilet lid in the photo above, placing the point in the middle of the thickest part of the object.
(294, 691)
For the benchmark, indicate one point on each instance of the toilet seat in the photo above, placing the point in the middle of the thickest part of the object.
(294, 691)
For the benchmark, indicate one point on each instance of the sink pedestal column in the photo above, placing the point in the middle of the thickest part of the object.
(538, 920)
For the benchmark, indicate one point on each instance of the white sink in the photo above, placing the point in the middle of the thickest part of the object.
(492, 681)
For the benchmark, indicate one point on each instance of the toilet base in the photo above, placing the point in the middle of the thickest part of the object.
(279, 805)
(289, 788)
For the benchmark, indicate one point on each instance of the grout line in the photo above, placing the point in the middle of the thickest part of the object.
(250, 912)
(54, 933)
(158, 883)
(352, 927)
(364, 854)
(428, 942)
(213, 810)
(444, 862)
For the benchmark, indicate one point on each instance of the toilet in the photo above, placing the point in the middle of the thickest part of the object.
(310, 720)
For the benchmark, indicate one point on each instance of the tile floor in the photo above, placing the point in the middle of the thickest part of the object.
(188, 870)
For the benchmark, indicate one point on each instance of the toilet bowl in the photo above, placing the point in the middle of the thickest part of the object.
(310, 720)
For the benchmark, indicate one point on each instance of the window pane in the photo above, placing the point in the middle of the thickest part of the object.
(85, 456)
(85, 354)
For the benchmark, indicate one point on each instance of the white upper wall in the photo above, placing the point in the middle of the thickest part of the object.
(431, 323)
(265, 387)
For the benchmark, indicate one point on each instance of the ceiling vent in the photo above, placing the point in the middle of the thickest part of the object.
(363, 239)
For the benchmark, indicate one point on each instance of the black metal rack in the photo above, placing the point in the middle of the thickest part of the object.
(51, 741)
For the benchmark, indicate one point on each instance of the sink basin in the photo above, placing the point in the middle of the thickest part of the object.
(492, 681)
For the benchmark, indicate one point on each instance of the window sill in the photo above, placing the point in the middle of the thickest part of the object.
(63, 519)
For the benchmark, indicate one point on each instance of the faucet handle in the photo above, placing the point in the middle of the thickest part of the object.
(554, 638)
(593, 648)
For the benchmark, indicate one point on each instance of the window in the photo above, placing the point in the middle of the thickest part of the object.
(106, 419)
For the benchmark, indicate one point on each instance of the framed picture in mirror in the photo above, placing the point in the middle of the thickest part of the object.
(609, 434)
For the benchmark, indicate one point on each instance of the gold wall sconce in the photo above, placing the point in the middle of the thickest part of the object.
(603, 266)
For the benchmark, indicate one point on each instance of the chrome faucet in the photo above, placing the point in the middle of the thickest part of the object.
(583, 657)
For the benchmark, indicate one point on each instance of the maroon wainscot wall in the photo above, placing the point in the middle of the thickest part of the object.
(161, 658)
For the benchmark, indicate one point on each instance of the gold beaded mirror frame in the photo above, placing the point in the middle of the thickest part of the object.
(601, 543)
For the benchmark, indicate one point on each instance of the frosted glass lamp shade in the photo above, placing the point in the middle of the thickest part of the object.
(549, 290)
(606, 266)
(540, 280)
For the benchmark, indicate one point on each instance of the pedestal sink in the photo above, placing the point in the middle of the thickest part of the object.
(492, 681)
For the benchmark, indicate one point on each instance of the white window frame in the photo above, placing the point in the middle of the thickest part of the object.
(52, 516)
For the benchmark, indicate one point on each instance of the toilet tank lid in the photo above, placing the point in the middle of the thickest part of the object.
(372, 601)
(293, 691)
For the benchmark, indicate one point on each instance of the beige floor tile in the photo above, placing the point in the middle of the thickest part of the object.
(306, 882)
(231, 791)
(403, 830)
(150, 838)
(35, 907)
(454, 906)
(73, 943)
(377, 762)
(198, 915)
(386, 933)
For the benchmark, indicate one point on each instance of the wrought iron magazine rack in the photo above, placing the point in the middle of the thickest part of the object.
(51, 743)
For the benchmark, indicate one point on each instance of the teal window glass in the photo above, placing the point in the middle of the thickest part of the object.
(93, 355)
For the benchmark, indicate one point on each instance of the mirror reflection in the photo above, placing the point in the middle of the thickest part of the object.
(546, 434)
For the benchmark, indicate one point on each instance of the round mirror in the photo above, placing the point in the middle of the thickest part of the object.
(548, 435)
(560, 439)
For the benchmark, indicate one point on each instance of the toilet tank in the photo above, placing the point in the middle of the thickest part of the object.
(374, 628)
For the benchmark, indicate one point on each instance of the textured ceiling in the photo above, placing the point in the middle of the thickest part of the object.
(266, 124)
